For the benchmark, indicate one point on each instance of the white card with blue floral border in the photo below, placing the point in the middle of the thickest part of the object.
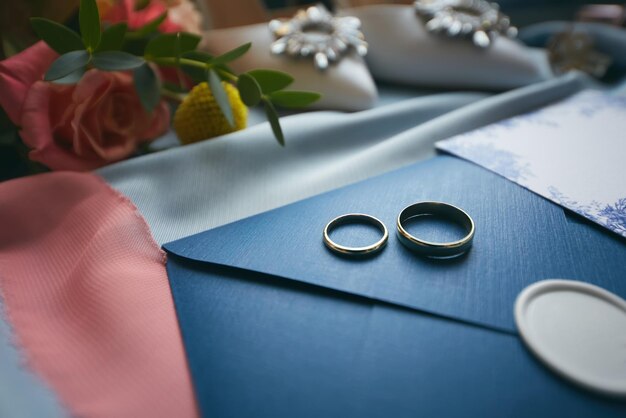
(572, 153)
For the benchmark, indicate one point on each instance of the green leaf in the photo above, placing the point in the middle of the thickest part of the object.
(9, 47)
(116, 61)
(113, 38)
(175, 87)
(294, 98)
(171, 45)
(89, 20)
(223, 72)
(5, 122)
(270, 80)
(197, 74)
(231, 55)
(8, 138)
(58, 37)
(197, 56)
(135, 46)
(225, 68)
(272, 117)
(147, 86)
(67, 64)
(221, 97)
(8, 131)
(249, 90)
(151, 26)
(72, 78)
(206, 58)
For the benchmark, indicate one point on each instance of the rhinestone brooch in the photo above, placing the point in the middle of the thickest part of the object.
(316, 33)
(574, 50)
(479, 20)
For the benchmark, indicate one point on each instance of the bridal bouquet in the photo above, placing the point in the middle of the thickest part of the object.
(81, 100)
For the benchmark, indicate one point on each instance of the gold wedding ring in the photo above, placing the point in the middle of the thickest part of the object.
(355, 218)
(436, 249)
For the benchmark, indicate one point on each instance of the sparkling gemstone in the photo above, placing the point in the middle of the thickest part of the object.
(481, 39)
(321, 61)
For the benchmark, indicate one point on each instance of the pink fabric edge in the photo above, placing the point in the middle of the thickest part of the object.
(171, 395)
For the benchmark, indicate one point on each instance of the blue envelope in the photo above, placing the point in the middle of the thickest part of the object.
(276, 325)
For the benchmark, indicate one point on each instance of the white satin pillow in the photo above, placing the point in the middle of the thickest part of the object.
(402, 51)
(345, 85)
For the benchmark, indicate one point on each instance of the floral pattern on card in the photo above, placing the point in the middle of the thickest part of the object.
(571, 152)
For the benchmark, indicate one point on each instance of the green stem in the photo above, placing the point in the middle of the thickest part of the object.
(225, 74)
(175, 62)
(168, 94)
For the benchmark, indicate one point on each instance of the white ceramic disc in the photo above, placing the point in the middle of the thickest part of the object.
(578, 330)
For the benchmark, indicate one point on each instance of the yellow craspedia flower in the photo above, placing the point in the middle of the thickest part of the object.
(199, 117)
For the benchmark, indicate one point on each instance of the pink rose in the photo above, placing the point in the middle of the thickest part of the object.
(124, 11)
(78, 127)
(185, 14)
(182, 17)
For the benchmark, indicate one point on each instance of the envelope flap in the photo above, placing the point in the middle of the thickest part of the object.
(520, 238)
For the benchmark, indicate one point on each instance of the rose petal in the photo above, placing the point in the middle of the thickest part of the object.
(18, 73)
(89, 93)
(157, 125)
(36, 132)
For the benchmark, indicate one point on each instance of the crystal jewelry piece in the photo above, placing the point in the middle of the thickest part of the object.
(478, 19)
(435, 249)
(572, 50)
(355, 251)
(316, 33)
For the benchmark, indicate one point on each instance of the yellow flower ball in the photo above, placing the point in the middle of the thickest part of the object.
(199, 117)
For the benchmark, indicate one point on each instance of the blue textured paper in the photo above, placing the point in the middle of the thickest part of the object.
(261, 346)
(520, 238)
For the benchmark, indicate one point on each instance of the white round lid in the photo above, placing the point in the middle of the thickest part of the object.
(578, 330)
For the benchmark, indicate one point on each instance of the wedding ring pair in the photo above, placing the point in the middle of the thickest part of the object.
(413, 243)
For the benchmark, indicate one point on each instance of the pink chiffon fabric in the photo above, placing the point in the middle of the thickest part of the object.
(86, 292)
